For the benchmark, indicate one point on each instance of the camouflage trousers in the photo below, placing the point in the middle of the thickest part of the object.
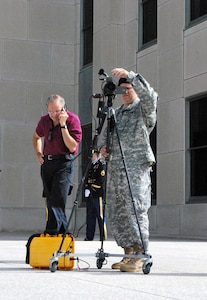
(120, 210)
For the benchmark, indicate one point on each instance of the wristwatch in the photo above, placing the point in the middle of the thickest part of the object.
(64, 126)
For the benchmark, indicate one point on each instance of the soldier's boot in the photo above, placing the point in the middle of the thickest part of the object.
(124, 260)
(134, 264)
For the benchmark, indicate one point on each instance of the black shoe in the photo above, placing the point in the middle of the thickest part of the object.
(86, 239)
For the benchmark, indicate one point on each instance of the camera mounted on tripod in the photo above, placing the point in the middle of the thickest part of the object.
(109, 87)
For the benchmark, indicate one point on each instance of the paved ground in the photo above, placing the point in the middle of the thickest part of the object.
(179, 271)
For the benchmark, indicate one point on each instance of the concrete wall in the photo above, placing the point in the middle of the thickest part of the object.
(39, 55)
(177, 68)
(181, 72)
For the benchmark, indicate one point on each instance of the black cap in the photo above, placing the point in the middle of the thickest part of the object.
(123, 80)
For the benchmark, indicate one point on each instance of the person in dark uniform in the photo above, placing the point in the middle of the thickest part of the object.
(94, 194)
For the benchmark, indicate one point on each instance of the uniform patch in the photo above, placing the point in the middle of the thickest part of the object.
(102, 173)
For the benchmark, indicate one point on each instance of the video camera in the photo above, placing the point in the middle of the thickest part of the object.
(110, 87)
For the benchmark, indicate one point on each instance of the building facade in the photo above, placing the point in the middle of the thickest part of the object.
(60, 46)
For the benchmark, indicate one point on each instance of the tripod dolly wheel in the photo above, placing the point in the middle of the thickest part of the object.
(147, 266)
(99, 263)
(53, 266)
(146, 269)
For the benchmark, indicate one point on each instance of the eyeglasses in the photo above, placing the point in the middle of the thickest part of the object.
(50, 134)
(54, 112)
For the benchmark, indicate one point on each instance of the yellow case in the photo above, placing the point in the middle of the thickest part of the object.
(42, 248)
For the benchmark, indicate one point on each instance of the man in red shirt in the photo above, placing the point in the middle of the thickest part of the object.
(61, 132)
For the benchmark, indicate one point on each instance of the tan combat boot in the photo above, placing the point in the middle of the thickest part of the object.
(133, 264)
(124, 260)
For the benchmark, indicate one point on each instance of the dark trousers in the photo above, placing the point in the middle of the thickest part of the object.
(94, 210)
(56, 176)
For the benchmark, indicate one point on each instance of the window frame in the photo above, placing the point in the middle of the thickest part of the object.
(153, 142)
(86, 33)
(85, 157)
(141, 44)
(192, 199)
(188, 21)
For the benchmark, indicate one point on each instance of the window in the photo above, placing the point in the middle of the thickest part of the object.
(87, 31)
(148, 18)
(198, 149)
(85, 84)
(198, 8)
(86, 146)
(153, 141)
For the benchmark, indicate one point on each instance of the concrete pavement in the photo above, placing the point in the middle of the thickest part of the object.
(179, 271)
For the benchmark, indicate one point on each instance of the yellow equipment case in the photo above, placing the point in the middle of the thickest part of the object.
(41, 247)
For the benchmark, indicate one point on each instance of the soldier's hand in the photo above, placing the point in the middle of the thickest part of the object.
(103, 152)
(119, 72)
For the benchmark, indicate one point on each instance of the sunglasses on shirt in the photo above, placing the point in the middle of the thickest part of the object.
(50, 134)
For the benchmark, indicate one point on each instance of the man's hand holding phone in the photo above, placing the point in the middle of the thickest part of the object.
(63, 117)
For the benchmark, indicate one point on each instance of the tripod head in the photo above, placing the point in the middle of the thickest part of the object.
(110, 90)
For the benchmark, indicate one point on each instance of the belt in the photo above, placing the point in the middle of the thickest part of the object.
(54, 157)
(67, 157)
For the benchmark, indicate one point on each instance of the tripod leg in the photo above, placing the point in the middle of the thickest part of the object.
(102, 215)
(129, 184)
(103, 233)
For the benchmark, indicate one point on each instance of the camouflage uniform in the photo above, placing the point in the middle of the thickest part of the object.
(134, 123)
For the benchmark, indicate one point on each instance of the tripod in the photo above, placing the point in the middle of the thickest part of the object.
(110, 90)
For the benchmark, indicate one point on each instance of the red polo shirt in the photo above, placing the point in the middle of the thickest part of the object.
(56, 145)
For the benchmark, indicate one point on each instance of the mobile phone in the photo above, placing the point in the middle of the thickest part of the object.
(64, 108)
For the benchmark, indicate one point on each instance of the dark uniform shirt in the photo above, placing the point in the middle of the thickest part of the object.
(95, 178)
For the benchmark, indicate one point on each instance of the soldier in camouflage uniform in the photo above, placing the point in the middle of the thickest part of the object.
(135, 120)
